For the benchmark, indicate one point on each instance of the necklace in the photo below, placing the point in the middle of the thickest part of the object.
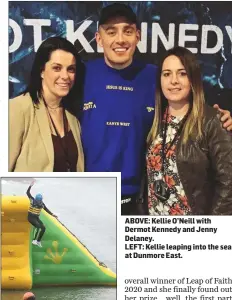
(53, 108)
(161, 189)
(48, 106)
(63, 146)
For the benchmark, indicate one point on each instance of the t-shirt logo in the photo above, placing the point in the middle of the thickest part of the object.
(149, 109)
(89, 105)
(119, 87)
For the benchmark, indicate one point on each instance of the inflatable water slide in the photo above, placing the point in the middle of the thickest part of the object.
(63, 259)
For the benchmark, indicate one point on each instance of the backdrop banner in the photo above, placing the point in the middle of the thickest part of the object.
(205, 28)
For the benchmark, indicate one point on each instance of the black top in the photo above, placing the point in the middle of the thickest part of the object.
(35, 203)
(65, 153)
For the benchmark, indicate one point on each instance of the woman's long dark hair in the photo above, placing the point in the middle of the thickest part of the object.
(193, 125)
(72, 101)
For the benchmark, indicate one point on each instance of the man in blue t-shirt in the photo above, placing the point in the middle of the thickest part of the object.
(119, 104)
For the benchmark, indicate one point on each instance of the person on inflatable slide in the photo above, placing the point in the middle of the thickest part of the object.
(36, 205)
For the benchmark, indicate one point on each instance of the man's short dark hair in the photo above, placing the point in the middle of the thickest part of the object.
(117, 10)
(31, 298)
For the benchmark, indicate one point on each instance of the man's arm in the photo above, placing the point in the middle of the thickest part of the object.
(28, 192)
(48, 211)
(226, 118)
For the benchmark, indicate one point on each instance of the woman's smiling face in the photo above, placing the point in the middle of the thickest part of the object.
(59, 74)
(175, 83)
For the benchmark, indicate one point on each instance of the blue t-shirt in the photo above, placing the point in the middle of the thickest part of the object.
(117, 115)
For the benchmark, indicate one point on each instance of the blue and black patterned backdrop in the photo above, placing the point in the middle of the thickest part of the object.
(203, 27)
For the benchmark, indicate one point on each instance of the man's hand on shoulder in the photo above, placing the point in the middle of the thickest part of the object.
(226, 118)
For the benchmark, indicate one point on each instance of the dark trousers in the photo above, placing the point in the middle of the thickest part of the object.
(38, 224)
(128, 205)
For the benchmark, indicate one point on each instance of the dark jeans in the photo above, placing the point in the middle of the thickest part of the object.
(38, 224)
(128, 205)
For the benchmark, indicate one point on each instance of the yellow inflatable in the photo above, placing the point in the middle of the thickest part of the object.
(63, 259)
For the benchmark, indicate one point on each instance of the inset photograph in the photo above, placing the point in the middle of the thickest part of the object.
(58, 238)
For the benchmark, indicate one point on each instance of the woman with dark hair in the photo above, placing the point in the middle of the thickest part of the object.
(44, 132)
(189, 156)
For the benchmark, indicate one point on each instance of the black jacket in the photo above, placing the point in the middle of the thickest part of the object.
(205, 168)
(35, 205)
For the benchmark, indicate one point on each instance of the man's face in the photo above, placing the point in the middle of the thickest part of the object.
(119, 40)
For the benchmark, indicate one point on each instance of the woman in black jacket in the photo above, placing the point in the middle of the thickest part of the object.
(189, 156)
